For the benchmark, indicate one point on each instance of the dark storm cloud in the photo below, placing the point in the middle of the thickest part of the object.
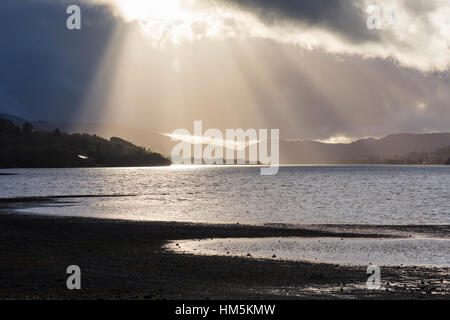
(45, 69)
(342, 17)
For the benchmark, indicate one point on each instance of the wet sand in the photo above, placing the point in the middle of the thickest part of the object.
(127, 260)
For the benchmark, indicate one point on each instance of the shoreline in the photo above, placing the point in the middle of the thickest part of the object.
(122, 259)
(328, 230)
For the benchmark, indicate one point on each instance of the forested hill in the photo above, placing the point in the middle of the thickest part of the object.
(24, 147)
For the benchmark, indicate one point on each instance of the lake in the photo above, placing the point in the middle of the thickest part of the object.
(233, 194)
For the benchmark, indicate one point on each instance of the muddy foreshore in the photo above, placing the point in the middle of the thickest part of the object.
(127, 260)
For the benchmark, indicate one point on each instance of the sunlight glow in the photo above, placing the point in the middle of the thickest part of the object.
(172, 21)
(178, 21)
(211, 141)
(338, 139)
(176, 61)
(145, 9)
(159, 20)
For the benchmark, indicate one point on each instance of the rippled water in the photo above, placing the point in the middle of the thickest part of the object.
(305, 194)
(429, 252)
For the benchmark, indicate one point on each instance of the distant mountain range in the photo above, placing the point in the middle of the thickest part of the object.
(391, 149)
(394, 148)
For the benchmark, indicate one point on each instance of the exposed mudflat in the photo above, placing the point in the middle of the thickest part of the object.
(127, 260)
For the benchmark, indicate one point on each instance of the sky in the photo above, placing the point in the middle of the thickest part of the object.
(329, 70)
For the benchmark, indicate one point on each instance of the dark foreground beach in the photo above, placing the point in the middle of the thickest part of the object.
(127, 260)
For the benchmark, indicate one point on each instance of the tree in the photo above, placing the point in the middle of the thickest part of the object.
(22, 146)
(27, 129)
(57, 133)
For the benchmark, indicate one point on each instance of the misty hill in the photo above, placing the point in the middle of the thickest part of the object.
(25, 147)
(386, 150)
(395, 148)
(155, 141)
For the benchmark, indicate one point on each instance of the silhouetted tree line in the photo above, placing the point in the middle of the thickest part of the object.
(439, 156)
(24, 147)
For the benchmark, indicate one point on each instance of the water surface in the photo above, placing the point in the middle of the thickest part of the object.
(425, 252)
(221, 194)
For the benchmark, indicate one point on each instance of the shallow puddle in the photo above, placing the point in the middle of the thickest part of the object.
(362, 251)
